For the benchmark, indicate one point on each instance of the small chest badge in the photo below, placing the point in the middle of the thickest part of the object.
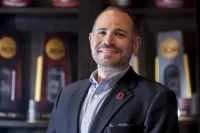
(120, 96)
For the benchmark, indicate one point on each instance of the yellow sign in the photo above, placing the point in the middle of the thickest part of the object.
(8, 47)
(55, 49)
(169, 48)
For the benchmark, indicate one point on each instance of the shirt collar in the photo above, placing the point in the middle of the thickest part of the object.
(93, 78)
(111, 80)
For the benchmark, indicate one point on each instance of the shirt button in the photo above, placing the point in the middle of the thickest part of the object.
(95, 96)
(86, 120)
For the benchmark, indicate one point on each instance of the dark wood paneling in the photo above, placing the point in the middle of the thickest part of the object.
(188, 127)
(89, 10)
(198, 65)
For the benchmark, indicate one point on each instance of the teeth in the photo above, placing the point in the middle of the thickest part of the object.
(106, 51)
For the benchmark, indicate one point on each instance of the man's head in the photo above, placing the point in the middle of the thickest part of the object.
(123, 10)
(114, 38)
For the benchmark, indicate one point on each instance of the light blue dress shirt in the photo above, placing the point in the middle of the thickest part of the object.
(96, 95)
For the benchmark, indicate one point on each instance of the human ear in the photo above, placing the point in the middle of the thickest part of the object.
(136, 44)
(90, 38)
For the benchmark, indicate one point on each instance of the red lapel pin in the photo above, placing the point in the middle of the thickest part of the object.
(120, 96)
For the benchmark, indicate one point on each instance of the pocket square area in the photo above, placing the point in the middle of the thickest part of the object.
(122, 128)
(120, 125)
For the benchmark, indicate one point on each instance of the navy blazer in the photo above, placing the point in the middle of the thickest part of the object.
(147, 107)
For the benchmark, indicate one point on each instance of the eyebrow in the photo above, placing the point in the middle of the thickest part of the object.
(119, 30)
(101, 29)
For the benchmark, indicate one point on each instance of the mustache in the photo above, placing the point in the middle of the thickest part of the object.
(111, 46)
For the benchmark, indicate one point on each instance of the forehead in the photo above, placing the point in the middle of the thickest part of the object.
(113, 18)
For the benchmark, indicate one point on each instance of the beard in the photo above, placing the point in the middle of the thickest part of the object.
(108, 61)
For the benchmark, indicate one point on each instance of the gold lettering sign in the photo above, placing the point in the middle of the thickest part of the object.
(55, 49)
(7, 47)
(169, 48)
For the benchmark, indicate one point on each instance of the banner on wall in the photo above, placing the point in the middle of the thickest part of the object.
(53, 71)
(11, 104)
(171, 63)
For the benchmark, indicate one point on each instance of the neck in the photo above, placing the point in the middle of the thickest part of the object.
(107, 72)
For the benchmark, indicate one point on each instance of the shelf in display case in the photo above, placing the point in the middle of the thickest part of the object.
(75, 11)
(187, 119)
(40, 10)
(164, 11)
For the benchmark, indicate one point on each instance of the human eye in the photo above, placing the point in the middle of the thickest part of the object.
(101, 33)
(119, 34)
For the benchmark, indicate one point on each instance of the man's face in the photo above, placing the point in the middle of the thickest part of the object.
(112, 40)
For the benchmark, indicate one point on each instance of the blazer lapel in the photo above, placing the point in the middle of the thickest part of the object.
(112, 103)
(77, 99)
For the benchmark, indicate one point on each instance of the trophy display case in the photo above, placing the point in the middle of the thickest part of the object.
(45, 16)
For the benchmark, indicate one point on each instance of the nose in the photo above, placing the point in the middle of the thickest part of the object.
(109, 39)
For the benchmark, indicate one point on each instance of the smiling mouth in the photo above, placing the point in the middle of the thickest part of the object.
(108, 51)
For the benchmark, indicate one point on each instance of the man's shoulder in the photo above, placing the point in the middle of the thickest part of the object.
(77, 83)
(151, 86)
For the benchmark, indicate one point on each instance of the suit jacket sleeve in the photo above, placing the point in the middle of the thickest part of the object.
(162, 114)
(51, 125)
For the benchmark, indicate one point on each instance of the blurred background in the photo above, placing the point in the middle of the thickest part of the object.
(44, 46)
